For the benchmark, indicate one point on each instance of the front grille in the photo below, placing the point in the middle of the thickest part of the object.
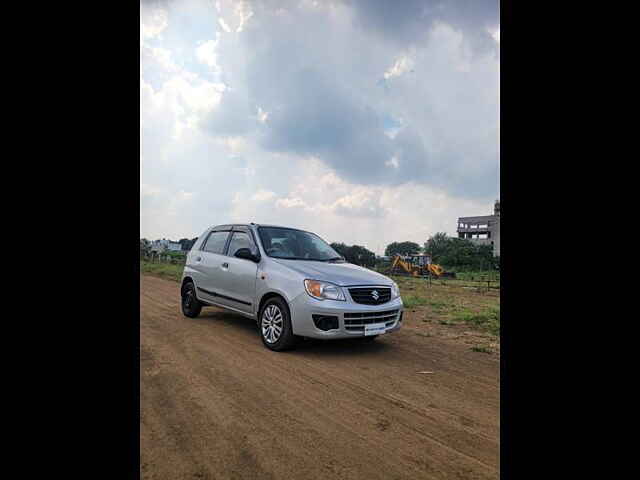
(366, 295)
(355, 322)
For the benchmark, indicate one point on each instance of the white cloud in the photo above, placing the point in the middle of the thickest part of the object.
(290, 203)
(235, 144)
(184, 98)
(495, 34)
(194, 93)
(224, 25)
(161, 56)
(355, 214)
(147, 190)
(393, 162)
(206, 53)
(262, 116)
(401, 66)
(244, 13)
(263, 196)
(336, 164)
(153, 22)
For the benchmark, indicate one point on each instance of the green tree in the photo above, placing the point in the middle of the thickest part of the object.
(401, 248)
(459, 253)
(145, 246)
(341, 248)
(362, 256)
(356, 254)
(437, 246)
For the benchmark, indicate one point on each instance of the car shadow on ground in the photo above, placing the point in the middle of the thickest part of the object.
(345, 346)
(229, 318)
(342, 347)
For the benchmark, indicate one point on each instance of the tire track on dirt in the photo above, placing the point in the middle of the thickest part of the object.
(216, 404)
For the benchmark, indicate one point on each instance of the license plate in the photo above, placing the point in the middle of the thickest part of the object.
(374, 329)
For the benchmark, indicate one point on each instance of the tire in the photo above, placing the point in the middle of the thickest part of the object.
(274, 324)
(191, 306)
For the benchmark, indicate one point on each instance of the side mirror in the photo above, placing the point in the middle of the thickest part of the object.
(247, 255)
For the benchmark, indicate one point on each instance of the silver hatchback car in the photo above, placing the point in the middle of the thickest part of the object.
(291, 282)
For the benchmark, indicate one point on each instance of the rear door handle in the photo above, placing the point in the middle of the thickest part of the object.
(225, 265)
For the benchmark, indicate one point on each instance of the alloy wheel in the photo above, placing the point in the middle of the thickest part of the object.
(272, 324)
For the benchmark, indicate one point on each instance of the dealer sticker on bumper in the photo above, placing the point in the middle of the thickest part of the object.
(374, 329)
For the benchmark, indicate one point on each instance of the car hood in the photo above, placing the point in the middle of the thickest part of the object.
(343, 274)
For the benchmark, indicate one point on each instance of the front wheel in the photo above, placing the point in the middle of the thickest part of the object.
(275, 326)
(191, 306)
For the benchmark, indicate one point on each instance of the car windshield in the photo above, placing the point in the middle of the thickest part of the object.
(295, 244)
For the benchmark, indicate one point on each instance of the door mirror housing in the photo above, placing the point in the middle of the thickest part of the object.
(247, 254)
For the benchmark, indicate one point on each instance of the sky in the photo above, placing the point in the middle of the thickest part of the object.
(364, 121)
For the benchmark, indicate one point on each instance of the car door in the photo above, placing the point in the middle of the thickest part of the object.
(212, 262)
(240, 275)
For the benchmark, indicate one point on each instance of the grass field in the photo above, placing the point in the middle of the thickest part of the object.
(448, 302)
(492, 275)
(164, 270)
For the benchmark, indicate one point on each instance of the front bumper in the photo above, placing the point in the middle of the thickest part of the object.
(304, 307)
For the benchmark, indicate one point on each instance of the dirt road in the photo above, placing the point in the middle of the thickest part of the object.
(215, 403)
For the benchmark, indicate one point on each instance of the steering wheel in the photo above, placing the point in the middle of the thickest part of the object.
(273, 250)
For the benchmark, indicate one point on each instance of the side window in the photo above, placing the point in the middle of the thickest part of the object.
(215, 242)
(238, 241)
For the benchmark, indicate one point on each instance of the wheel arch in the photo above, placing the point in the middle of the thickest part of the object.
(185, 280)
(266, 297)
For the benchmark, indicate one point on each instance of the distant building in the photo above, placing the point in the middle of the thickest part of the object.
(160, 246)
(483, 230)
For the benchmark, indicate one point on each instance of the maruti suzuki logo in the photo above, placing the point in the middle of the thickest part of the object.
(375, 295)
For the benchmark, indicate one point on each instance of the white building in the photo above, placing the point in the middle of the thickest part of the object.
(160, 246)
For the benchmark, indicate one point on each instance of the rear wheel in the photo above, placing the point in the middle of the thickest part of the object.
(191, 306)
(275, 326)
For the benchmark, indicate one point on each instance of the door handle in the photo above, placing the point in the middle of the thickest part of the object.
(198, 259)
(225, 265)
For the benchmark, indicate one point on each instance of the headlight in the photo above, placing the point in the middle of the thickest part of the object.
(395, 290)
(323, 290)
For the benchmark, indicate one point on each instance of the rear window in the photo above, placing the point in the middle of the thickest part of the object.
(215, 243)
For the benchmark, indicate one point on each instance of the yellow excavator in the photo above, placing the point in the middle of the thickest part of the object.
(416, 266)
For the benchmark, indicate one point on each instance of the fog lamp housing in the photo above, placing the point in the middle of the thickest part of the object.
(325, 322)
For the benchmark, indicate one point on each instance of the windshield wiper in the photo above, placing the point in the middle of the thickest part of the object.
(333, 259)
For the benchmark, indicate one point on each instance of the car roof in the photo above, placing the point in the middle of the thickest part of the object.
(275, 226)
(230, 225)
